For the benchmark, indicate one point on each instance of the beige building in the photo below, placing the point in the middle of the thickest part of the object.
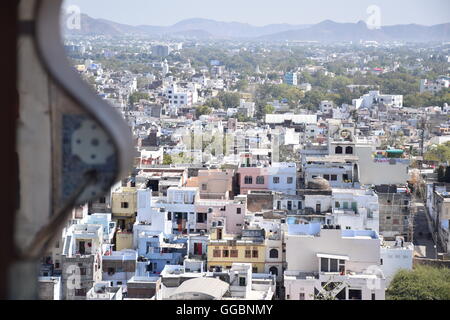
(124, 207)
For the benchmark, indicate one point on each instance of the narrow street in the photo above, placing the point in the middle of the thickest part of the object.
(423, 241)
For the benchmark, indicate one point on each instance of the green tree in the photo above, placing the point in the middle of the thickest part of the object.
(214, 103)
(241, 85)
(268, 109)
(421, 283)
(203, 110)
(229, 99)
(439, 153)
(137, 96)
(167, 159)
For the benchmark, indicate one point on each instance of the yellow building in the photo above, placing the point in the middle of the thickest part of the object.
(124, 240)
(124, 207)
(224, 252)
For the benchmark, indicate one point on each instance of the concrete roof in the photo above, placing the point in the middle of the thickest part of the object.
(208, 286)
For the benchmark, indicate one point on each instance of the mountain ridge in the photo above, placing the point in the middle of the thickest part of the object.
(325, 31)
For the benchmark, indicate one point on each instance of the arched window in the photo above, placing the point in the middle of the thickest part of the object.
(273, 253)
(273, 270)
(338, 150)
(248, 180)
(259, 180)
(349, 150)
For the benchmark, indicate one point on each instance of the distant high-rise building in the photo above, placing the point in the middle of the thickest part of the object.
(290, 78)
(161, 50)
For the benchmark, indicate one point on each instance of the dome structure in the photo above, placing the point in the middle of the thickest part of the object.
(319, 184)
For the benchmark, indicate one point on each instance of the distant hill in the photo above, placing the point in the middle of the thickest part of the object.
(326, 31)
(330, 31)
(198, 28)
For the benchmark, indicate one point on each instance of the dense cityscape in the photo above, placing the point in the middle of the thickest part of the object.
(264, 170)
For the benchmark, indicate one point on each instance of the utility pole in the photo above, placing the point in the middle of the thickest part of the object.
(422, 139)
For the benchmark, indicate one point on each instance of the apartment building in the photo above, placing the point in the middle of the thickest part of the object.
(81, 260)
(395, 211)
(249, 248)
(329, 263)
(237, 283)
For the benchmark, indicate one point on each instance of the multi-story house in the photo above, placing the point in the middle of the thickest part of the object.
(330, 263)
(119, 267)
(249, 248)
(81, 260)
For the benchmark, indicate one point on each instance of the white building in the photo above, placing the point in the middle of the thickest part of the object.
(355, 209)
(375, 97)
(395, 256)
(332, 263)
(434, 86)
(283, 177)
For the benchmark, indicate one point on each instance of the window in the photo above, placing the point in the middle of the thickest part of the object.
(201, 217)
(102, 200)
(124, 205)
(337, 204)
(111, 271)
(332, 265)
(333, 177)
(341, 266)
(273, 253)
(225, 253)
(326, 177)
(248, 180)
(259, 180)
(216, 253)
(255, 253)
(274, 271)
(354, 294)
(204, 187)
(299, 205)
(234, 253)
(301, 296)
(290, 180)
(242, 282)
(80, 292)
(82, 271)
(238, 210)
(338, 150)
(349, 150)
(276, 180)
(345, 177)
(248, 253)
(324, 264)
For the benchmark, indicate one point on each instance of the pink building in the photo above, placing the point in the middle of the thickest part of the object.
(253, 178)
(229, 213)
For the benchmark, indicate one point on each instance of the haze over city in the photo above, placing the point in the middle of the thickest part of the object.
(264, 12)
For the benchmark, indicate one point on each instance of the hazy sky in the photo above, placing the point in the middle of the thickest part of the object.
(262, 12)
